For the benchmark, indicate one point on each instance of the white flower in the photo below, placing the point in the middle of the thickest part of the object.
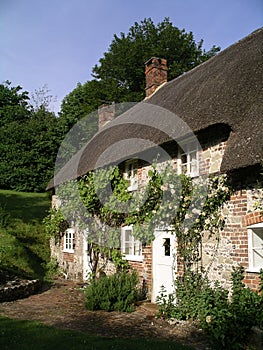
(208, 319)
(196, 211)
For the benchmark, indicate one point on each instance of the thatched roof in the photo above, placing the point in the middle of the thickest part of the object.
(227, 89)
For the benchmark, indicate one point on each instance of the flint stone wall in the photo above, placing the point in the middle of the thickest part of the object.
(19, 289)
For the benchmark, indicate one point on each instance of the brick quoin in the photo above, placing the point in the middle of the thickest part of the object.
(252, 218)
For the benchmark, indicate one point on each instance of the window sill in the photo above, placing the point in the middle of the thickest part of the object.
(132, 188)
(254, 269)
(71, 251)
(133, 258)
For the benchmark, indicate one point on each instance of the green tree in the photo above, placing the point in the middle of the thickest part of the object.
(119, 76)
(41, 99)
(13, 104)
(28, 152)
(29, 140)
(143, 41)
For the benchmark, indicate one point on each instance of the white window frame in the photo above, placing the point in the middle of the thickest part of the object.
(131, 174)
(256, 229)
(189, 151)
(132, 244)
(69, 237)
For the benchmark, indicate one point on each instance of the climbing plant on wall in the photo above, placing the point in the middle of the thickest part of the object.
(101, 203)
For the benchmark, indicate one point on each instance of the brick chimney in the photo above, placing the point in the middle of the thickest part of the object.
(155, 73)
(106, 113)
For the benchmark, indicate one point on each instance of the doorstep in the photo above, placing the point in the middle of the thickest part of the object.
(149, 307)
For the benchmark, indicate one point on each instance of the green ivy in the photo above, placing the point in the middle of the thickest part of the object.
(55, 224)
(101, 202)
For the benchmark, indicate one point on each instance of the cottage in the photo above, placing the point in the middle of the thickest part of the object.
(207, 121)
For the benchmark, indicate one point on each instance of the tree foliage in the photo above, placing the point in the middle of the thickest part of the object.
(119, 76)
(13, 104)
(31, 135)
(123, 64)
(29, 141)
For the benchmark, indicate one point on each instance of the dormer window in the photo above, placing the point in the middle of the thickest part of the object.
(131, 174)
(187, 162)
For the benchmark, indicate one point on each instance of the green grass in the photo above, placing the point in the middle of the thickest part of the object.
(24, 206)
(24, 335)
(24, 245)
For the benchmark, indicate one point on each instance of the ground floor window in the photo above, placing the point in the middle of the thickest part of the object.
(131, 247)
(69, 240)
(255, 247)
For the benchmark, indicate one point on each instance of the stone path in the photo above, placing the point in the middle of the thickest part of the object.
(63, 306)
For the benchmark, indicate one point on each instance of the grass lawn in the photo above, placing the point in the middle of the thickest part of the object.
(25, 206)
(24, 246)
(24, 335)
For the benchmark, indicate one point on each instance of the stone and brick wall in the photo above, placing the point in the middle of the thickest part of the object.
(144, 268)
(219, 257)
(71, 264)
(219, 254)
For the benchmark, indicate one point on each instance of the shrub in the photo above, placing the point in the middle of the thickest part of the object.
(52, 269)
(229, 323)
(117, 292)
(226, 321)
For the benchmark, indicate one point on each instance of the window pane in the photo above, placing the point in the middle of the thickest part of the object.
(129, 245)
(184, 158)
(128, 234)
(257, 247)
(257, 237)
(258, 257)
(127, 248)
(137, 248)
(167, 246)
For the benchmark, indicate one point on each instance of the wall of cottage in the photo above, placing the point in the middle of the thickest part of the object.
(144, 269)
(230, 248)
(210, 158)
(220, 255)
(71, 264)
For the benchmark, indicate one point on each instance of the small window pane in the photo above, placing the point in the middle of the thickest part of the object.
(256, 250)
(137, 248)
(128, 234)
(167, 246)
(258, 257)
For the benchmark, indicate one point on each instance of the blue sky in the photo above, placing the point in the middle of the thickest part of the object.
(57, 42)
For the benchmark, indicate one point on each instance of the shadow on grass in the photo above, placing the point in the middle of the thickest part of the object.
(24, 335)
(25, 206)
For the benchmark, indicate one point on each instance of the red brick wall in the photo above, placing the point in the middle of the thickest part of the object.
(144, 268)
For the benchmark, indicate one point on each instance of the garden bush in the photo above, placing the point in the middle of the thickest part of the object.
(117, 292)
(226, 319)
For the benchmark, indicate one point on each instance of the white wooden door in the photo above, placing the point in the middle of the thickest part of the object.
(164, 263)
